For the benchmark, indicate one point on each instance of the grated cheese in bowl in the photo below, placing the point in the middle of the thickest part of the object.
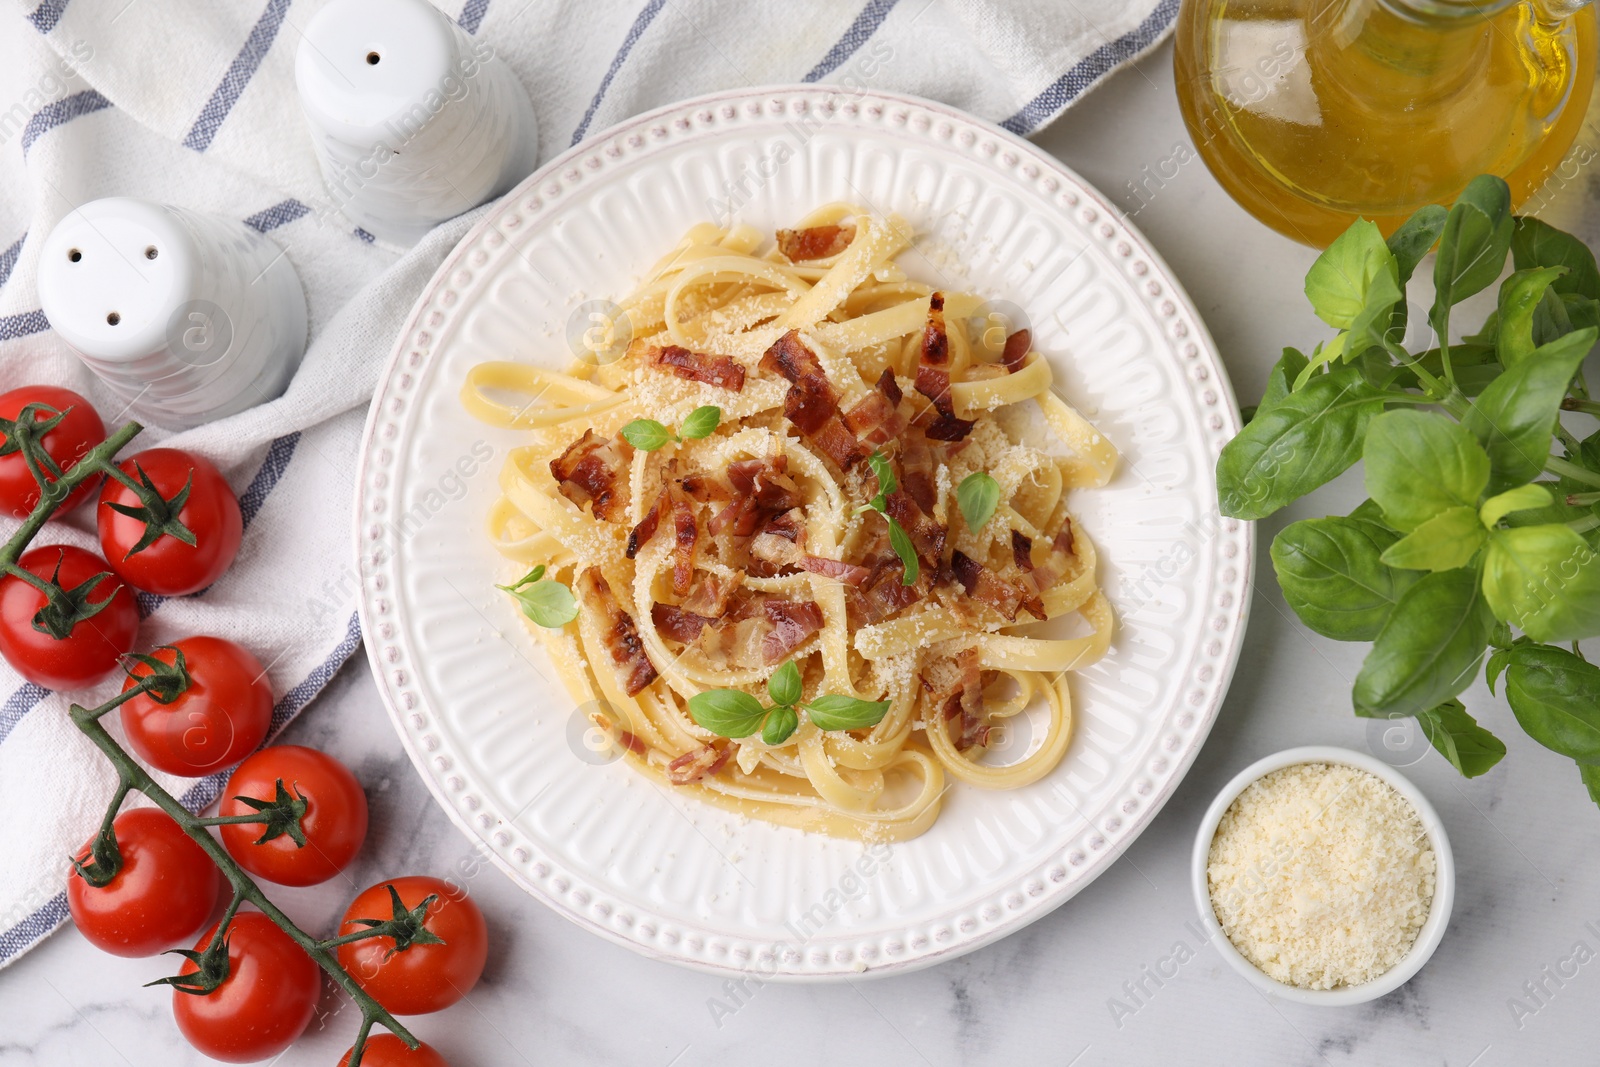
(1321, 875)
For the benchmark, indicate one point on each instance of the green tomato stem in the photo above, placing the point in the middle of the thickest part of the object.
(53, 493)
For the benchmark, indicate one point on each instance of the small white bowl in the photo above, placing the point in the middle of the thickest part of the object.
(1428, 938)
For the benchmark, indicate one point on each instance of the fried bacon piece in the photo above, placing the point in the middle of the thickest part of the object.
(591, 471)
(933, 379)
(1016, 350)
(811, 404)
(722, 371)
(712, 594)
(1036, 578)
(678, 624)
(640, 535)
(881, 594)
(698, 763)
(759, 489)
(625, 738)
(848, 573)
(685, 534)
(983, 584)
(876, 418)
(957, 691)
(916, 469)
(815, 242)
(793, 621)
(927, 536)
(618, 632)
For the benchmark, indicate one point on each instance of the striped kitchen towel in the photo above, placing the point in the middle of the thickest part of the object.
(192, 102)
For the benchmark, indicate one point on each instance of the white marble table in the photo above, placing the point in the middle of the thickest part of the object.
(1098, 981)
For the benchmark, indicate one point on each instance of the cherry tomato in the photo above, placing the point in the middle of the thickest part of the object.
(167, 565)
(216, 722)
(419, 978)
(334, 823)
(265, 1002)
(386, 1050)
(80, 430)
(91, 648)
(163, 895)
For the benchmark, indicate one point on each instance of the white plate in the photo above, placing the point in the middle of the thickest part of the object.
(498, 740)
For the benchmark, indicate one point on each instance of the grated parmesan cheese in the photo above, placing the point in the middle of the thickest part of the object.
(1321, 875)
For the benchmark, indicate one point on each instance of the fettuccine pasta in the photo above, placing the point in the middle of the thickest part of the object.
(821, 523)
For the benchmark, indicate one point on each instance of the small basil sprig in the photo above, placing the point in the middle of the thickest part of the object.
(899, 540)
(977, 496)
(736, 714)
(647, 435)
(544, 600)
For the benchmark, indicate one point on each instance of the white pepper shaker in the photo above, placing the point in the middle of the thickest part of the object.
(188, 317)
(413, 121)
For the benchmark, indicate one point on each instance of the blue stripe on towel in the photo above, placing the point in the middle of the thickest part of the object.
(472, 15)
(46, 919)
(1088, 70)
(29, 322)
(19, 704)
(277, 215)
(865, 25)
(636, 31)
(240, 72)
(47, 14)
(8, 259)
(58, 112)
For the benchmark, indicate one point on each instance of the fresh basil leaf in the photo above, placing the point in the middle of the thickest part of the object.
(900, 541)
(1429, 649)
(1369, 511)
(784, 685)
(1340, 284)
(1448, 540)
(527, 579)
(781, 722)
(1331, 574)
(1420, 463)
(838, 712)
(1522, 498)
(1590, 774)
(1520, 295)
(1415, 236)
(1499, 660)
(727, 712)
(1535, 243)
(1456, 735)
(1545, 580)
(1474, 365)
(977, 496)
(1472, 246)
(1306, 440)
(646, 435)
(702, 422)
(1280, 380)
(883, 470)
(1556, 697)
(1326, 352)
(548, 603)
(1581, 313)
(1515, 417)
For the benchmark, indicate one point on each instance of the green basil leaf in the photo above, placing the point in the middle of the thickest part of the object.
(1470, 748)
(1499, 660)
(1472, 246)
(977, 496)
(1520, 296)
(1420, 463)
(1590, 774)
(702, 422)
(1522, 498)
(1309, 438)
(1369, 511)
(1474, 364)
(1415, 236)
(1538, 244)
(900, 541)
(1280, 380)
(784, 685)
(727, 712)
(1556, 698)
(1332, 576)
(548, 603)
(883, 470)
(1515, 417)
(781, 722)
(1545, 580)
(646, 435)
(1340, 283)
(1326, 352)
(1429, 649)
(1448, 540)
(1376, 316)
(527, 579)
(1581, 312)
(838, 712)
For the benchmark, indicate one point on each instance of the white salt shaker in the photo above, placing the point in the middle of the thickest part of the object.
(188, 317)
(414, 122)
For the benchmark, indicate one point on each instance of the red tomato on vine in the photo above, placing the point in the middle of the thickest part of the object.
(78, 429)
(77, 637)
(219, 719)
(183, 536)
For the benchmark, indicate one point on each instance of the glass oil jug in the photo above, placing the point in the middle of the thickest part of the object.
(1312, 113)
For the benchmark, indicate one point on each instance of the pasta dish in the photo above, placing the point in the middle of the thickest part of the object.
(798, 529)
